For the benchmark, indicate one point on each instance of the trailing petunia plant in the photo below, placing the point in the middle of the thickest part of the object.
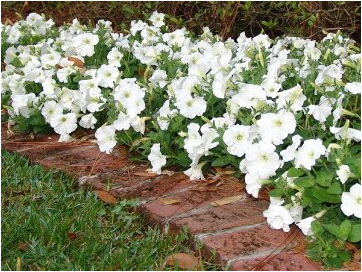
(285, 113)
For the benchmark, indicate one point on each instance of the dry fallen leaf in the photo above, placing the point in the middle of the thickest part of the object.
(72, 236)
(227, 200)
(352, 266)
(77, 62)
(350, 246)
(357, 256)
(169, 201)
(23, 246)
(224, 171)
(18, 264)
(145, 174)
(183, 261)
(106, 197)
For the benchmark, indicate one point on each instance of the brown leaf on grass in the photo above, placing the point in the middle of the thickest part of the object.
(106, 197)
(183, 261)
(77, 62)
(226, 200)
(18, 264)
(169, 201)
(23, 246)
(72, 236)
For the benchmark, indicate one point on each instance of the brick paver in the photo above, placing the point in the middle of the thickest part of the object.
(236, 231)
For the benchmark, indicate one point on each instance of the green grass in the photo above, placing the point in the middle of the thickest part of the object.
(42, 210)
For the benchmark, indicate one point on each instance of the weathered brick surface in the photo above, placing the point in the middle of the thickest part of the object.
(241, 213)
(284, 261)
(237, 231)
(196, 197)
(247, 241)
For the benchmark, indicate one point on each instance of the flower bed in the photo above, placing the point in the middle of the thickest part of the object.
(285, 113)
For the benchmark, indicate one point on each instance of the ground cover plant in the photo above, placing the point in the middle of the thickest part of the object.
(49, 224)
(285, 113)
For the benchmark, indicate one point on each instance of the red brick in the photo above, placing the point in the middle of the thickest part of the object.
(133, 186)
(284, 261)
(241, 213)
(247, 242)
(193, 198)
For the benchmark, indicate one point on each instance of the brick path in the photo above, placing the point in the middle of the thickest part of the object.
(237, 231)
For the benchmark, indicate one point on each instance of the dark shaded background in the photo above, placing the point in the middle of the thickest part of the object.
(228, 19)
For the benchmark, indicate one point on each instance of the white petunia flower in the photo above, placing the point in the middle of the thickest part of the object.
(114, 57)
(343, 173)
(305, 225)
(50, 110)
(107, 75)
(292, 98)
(137, 26)
(351, 201)
(322, 111)
(346, 133)
(159, 78)
(329, 74)
(88, 121)
(195, 171)
(191, 107)
(156, 158)
(353, 87)
(157, 19)
(176, 37)
(261, 160)
(219, 85)
(64, 123)
(276, 127)
(278, 217)
(106, 138)
(271, 87)
(50, 60)
(123, 122)
(23, 103)
(253, 185)
(237, 139)
(289, 153)
(308, 153)
(138, 124)
(84, 44)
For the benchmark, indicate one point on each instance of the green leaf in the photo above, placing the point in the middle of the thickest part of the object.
(335, 188)
(324, 196)
(317, 227)
(305, 182)
(342, 231)
(355, 234)
(222, 161)
(175, 20)
(324, 178)
(294, 172)
(276, 192)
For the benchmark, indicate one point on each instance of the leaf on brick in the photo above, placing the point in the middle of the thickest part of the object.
(227, 200)
(169, 201)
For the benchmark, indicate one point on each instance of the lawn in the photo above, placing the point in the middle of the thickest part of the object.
(48, 223)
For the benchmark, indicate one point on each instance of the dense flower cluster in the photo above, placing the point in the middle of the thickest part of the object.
(285, 113)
